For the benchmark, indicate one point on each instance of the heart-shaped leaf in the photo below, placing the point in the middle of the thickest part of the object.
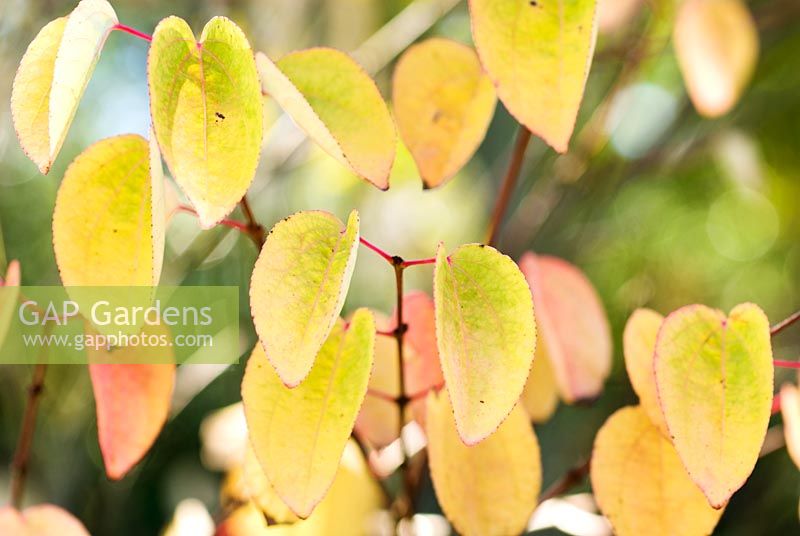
(572, 323)
(206, 106)
(489, 488)
(716, 43)
(40, 520)
(53, 75)
(639, 342)
(538, 54)
(299, 434)
(338, 105)
(714, 381)
(486, 334)
(108, 223)
(298, 288)
(640, 483)
(443, 103)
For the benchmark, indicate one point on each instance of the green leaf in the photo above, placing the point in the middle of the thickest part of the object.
(299, 434)
(443, 103)
(538, 54)
(338, 105)
(206, 107)
(714, 378)
(53, 75)
(490, 488)
(298, 288)
(640, 483)
(486, 333)
(108, 223)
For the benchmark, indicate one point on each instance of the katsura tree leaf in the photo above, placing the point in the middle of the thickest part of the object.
(538, 54)
(639, 345)
(206, 106)
(790, 411)
(716, 43)
(641, 485)
(8, 298)
(108, 223)
(378, 420)
(298, 288)
(53, 75)
(299, 434)
(132, 404)
(338, 105)
(350, 506)
(714, 381)
(572, 323)
(486, 334)
(540, 395)
(443, 103)
(40, 520)
(490, 488)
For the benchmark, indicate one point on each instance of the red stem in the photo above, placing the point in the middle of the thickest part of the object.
(132, 31)
(783, 324)
(416, 262)
(381, 395)
(786, 364)
(388, 258)
(776, 404)
(233, 224)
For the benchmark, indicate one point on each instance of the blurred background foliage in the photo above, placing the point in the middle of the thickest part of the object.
(658, 206)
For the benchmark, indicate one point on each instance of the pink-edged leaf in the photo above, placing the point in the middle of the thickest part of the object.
(572, 323)
(40, 520)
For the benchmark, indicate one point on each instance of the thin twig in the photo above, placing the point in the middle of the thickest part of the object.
(133, 31)
(786, 364)
(388, 258)
(19, 467)
(509, 184)
(783, 324)
(573, 478)
(254, 229)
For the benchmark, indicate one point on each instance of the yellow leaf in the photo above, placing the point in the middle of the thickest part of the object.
(486, 333)
(639, 344)
(299, 434)
(108, 227)
(790, 411)
(53, 75)
(572, 323)
(716, 42)
(298, 288)
(206, 106)
(338, 105)
(350, 507)
(641, 485)
(489, 488)
(40, 520)
(540, 396)
(443, 103)
(714, 381)
(538, 54)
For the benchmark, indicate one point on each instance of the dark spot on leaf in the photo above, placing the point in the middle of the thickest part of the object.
(219, 115)
(437, 115)
(482, 402)
(533, 3)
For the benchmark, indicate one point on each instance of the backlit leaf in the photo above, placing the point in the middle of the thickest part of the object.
(40, 520)
(641, 485)
(486, 334)
(338, 105)
(53, 75)
(108, 223)
(790, 411)
(716, 42)
(443, 103)
(350, 507)
(132, 404)
(540, 396)
(714, 381)
(206, 106)
(8, 298)
(489, 488)
(639, 342)
(299, 434)
(298, 287)
(572, 323)
(538, 54)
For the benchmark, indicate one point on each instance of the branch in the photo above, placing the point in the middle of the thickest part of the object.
(19, 466)
(573, 477)
(134, 32)
(783, 324)
(254, 229)
(509, 183)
